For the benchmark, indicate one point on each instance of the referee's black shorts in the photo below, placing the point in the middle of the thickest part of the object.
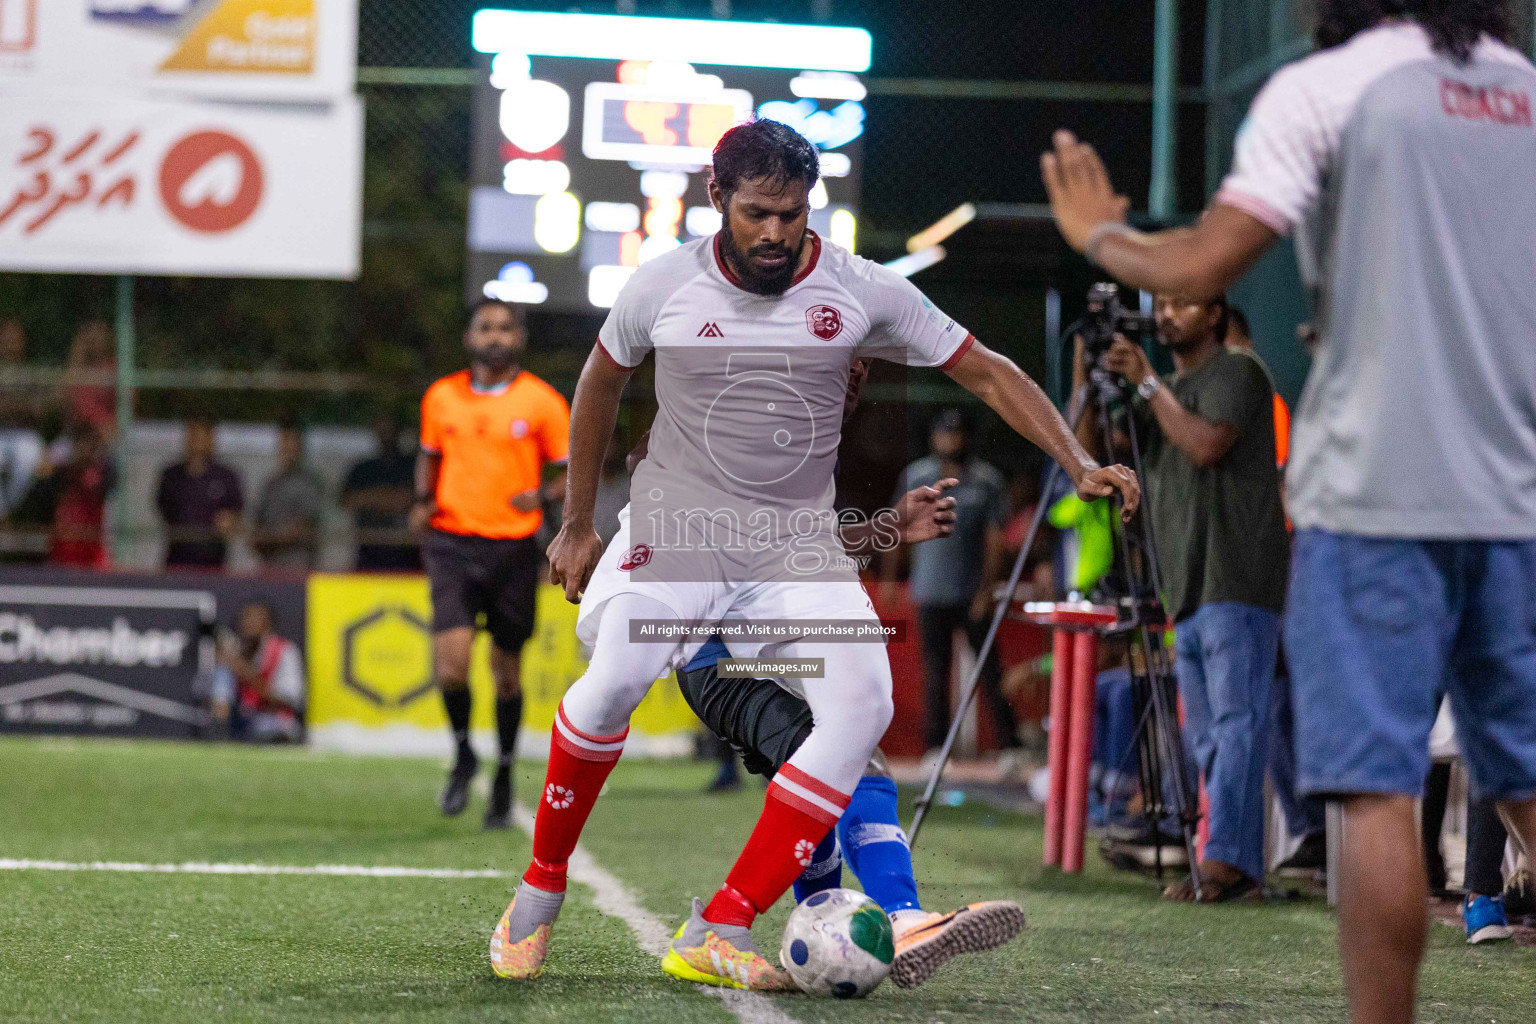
(475, 576)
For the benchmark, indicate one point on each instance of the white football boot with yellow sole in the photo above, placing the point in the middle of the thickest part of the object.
(723, 955)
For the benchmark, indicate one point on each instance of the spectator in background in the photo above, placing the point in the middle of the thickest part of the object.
(379, 492)
(1214, 499)
(952, 578)
(286, 530)
(1491, 903)
(1304, 816)
(200, 501)
(21, 413)
(1240, 339)
(77, 493)
(258, 687)
(90, 381)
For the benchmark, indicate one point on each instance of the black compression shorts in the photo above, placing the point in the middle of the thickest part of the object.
(762, 720)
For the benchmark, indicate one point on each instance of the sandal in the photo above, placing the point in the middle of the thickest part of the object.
(1211, 891)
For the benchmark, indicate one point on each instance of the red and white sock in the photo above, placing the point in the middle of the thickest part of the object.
(797, 815)
(579, 764)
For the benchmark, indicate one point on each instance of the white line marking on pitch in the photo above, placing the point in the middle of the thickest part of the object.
(613, 898)
(609, 894)
(199, 868)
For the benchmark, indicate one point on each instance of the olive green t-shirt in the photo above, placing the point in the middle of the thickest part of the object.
(1219, 530)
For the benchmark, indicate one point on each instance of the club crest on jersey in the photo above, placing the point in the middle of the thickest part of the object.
(635, 557)
(519, 428)
(824, 321)
(710, 330)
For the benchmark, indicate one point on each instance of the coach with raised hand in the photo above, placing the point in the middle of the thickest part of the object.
(1402, 156)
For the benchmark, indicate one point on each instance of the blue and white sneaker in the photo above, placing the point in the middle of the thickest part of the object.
(1485, 919)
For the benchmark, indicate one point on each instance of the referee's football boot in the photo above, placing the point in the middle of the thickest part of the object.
(931, 943)
(723, 955)
(455, 796)
(498, 813)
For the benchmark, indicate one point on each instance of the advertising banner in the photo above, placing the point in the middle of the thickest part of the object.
(371, 686)
(272, 50)
(119, 655)
(126, 186)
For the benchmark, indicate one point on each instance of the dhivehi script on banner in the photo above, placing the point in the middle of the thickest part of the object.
(371, 685)
(112, 185)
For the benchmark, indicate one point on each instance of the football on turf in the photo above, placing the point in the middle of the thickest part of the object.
(838, 943)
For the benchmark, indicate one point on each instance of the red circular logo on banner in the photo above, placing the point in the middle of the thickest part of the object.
(211, 182)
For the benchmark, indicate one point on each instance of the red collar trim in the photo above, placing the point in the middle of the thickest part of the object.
(730, 275)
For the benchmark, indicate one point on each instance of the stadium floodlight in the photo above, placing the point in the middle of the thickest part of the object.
(697, 41)
(914, 262)
(942, 228)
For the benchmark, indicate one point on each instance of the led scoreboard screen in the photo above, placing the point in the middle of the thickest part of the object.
(593, 135)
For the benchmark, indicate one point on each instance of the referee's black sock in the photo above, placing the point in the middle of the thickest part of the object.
(509, 718)
(456, 703)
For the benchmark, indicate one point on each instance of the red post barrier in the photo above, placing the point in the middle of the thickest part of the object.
(1061, 727)
(1085, 665)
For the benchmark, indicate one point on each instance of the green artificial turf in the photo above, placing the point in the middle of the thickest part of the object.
(130, 947)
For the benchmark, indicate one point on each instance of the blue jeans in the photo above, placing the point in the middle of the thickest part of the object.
(1304, 815)
(1378, 629)
(1114, 736)
(1226, 663)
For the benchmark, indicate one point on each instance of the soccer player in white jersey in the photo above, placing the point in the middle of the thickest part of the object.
(754, 331)
(1401, 156)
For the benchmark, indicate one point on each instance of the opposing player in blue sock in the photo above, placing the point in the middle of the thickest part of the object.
(870, 838)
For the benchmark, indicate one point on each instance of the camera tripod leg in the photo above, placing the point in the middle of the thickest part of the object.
(925, 801)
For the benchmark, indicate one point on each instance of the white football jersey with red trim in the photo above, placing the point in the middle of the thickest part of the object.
(750, 388)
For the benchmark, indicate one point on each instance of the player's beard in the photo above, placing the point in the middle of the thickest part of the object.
(760, 282)
(497, 359)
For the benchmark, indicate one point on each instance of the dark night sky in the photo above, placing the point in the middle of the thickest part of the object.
(925, 156)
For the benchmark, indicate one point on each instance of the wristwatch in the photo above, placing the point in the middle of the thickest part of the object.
(1150, 386)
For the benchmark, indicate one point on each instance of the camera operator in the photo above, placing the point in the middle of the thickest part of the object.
(1214, 500)
(1401, 156)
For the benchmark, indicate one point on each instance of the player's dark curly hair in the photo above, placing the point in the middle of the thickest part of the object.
(764, 149)
(519, 314)
(1454, 26)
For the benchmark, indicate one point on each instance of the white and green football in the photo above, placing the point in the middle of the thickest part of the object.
(838, 943)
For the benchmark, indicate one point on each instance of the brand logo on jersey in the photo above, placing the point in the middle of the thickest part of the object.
(635, 557)
(824, 321)
(1485, 103)
(519, 428)
(710, 330)
(558, 797)
(804, 850)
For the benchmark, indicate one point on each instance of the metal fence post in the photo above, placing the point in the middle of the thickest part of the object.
(1162, 199)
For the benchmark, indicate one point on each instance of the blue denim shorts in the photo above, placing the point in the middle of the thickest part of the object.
(1377, 630)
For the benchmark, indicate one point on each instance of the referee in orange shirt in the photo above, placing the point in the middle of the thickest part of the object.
(486, 435)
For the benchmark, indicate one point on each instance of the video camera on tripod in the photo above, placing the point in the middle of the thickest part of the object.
(1107, 317)
(1169, 787)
